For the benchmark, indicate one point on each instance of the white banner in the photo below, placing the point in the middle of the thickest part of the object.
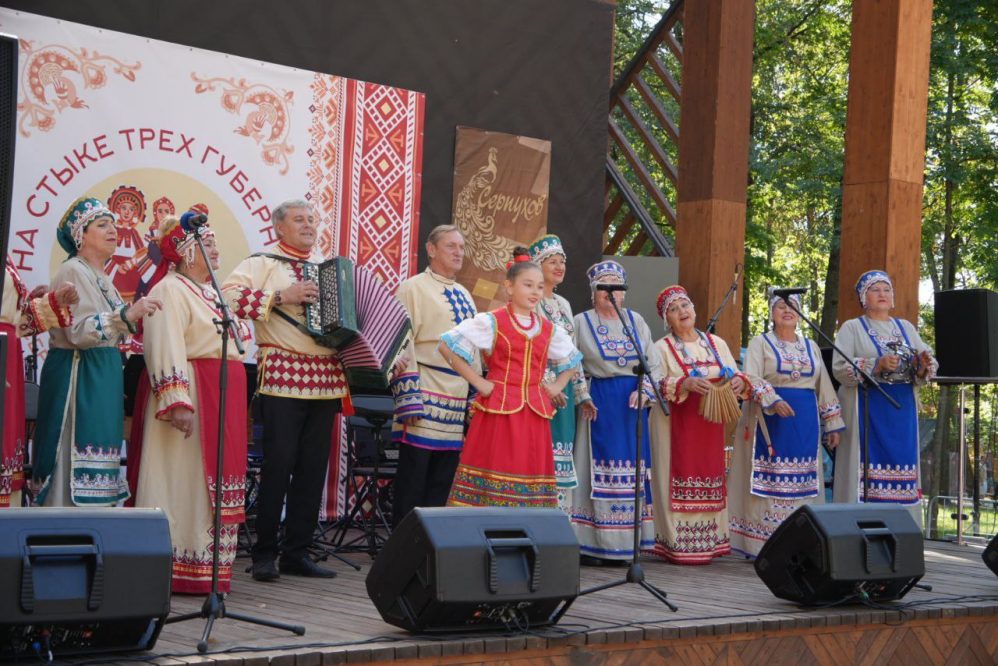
(154, 128)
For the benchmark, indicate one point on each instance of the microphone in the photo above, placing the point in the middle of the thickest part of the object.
(191, 220)
(789, 291)
(611, 287)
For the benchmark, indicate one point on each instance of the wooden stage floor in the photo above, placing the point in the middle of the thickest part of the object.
(726, 616)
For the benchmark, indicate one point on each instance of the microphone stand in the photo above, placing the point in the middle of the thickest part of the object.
(635, 574)
(724, 303)
(867, 382)
(214, 606)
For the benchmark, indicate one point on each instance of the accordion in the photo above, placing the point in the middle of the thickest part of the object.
(360, 318)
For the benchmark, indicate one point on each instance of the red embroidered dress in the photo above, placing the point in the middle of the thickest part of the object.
(507, 458)
(691, 517)
(177, 473)
(20, 317)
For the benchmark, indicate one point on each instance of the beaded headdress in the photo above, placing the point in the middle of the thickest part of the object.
(597, 273)
(670, 295)
(544, 247)
(867, 280)
(81, 213)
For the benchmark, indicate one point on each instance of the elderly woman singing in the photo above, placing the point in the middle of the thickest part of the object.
(80, 407)
(701, 382)
(892, 351)
(776, 465)
(179, 472)
(602, 507)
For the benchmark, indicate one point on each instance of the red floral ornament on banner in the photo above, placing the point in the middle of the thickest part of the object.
(48, 81)
(267, 122)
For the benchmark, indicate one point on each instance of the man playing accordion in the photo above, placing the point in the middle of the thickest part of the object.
(300, 387)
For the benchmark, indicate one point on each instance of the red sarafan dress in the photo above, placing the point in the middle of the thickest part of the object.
(20, 316)
(507, 458)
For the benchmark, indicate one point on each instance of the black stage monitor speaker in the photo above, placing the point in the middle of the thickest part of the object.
(455, 569)
(967, 333)
(990, 555)
(827, 553)
(82, 581)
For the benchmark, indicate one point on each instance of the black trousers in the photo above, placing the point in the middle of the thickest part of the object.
(297, 437)
(423, 478)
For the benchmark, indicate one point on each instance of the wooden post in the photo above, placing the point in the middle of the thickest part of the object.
(713, 154)
(885, 149)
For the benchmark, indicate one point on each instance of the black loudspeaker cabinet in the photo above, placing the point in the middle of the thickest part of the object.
(990, 555)
(454, 569)
(82, 581)
(823, 554)
(8, 120)
(967, 333)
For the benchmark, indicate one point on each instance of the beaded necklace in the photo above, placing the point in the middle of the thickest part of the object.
(695, 368)
(103, 285)
(516, 321)
(880, 340)
(796, 355)
(556, 315)
(616, 348)
(905, 371)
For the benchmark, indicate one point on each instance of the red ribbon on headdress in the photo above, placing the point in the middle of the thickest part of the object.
(517, 259)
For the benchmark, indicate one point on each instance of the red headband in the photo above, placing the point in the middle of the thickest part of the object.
(668, 295)
(517, 259)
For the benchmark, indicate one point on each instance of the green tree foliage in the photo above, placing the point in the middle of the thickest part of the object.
(799, 99)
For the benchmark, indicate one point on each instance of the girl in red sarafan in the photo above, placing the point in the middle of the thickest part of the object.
(507, 458)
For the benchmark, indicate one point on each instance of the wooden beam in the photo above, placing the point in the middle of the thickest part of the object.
(635, 246)
(665, 75)
(656, 107)
(634, 205)
(612, 210)
(885, 149)
(649, 140)
(620, 234)
(670, 41)
(641, 171)
(713, 154)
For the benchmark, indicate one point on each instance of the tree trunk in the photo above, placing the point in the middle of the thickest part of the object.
(944, 277)
(830, 308)
(940, 456)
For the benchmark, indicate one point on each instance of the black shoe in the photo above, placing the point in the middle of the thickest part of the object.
(305, 567)
(590, 561)
(265, 571)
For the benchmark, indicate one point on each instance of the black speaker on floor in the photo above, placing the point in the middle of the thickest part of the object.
(827, 553)
(990, 555)
(967, 333)
(82, 581)
(455, 569)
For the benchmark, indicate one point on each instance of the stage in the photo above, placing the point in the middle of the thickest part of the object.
(726, 616)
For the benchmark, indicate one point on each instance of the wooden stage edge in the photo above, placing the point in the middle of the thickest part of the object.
(726, 616)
